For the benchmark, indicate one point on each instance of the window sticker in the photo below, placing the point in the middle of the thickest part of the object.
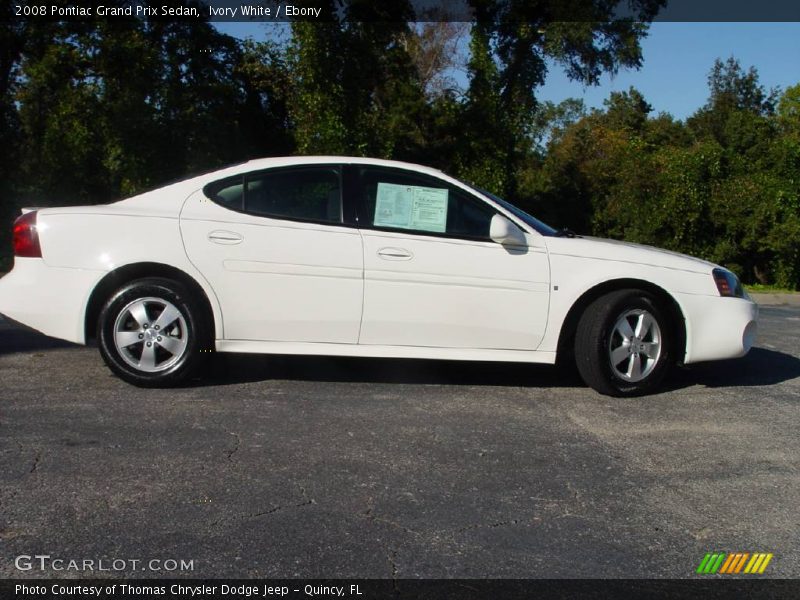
(411, 207)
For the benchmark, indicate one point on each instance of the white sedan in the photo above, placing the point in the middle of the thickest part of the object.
(361, 257)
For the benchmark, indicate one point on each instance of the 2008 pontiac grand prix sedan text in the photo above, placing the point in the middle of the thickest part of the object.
(361, 257)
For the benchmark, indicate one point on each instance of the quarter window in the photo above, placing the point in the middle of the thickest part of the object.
(227, 193)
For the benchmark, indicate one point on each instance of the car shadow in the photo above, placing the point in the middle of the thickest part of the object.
(227, 369)
(760, 367)
(16, 338)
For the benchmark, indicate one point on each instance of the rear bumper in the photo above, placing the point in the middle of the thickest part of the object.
(49, 299)
(718, 328)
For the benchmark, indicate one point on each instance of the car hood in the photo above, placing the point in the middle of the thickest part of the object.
(605, 249)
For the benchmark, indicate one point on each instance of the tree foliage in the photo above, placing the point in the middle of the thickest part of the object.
(723, 185)
(97, 110)
(357, 90)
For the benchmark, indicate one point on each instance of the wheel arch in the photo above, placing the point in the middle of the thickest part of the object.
(666, 301)
(131, 272)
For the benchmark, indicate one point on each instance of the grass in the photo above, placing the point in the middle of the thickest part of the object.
(760, 288)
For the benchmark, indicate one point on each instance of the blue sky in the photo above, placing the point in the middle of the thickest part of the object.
(677, 59)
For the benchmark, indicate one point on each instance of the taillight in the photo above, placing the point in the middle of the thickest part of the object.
(26, 236)
(727, 283)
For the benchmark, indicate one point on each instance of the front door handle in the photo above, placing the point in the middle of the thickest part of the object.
(395, 254)
(225, 237)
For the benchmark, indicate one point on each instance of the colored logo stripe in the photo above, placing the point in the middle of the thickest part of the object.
(721, 562)
(735, 562)
(758, 563)
(711, 563)
(732, 558)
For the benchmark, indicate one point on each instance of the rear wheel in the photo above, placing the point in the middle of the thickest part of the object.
(151, 333)
(624, 343)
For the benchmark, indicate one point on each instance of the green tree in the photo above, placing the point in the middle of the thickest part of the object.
(197, 99)
(627, 110)
(127, 66)
(737, 113)
(789, 110)
(12, 36)
(109, 108)
(724, 186)
(488, 130)
(264, 77)
(357, 90)
(62, 153)
(518, 37)
(318, 97)
(593, 177)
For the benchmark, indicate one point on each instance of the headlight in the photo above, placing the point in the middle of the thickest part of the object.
(727, 283)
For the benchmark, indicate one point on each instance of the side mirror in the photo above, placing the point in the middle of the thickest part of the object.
(505, 232)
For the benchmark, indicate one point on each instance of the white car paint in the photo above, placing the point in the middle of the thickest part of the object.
(453, 293)
(716, 327)
(284, 282)
(281, 286)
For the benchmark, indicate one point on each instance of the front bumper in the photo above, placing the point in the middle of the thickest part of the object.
(718, 328)
(49, 299)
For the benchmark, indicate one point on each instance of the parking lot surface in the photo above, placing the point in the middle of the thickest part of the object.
(332, 467)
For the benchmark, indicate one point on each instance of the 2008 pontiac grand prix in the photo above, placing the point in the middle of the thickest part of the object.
(361, 257)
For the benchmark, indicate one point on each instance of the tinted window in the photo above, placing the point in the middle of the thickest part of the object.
(401, 200)
(227, 192)
(306, 194)
(535, 223)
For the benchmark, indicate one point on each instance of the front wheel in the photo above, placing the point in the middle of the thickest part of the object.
(151, 333)
(624, 343)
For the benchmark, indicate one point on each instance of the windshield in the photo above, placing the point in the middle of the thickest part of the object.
(535, 223)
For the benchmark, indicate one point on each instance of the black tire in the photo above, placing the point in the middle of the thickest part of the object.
(645, 361)
(176, 352)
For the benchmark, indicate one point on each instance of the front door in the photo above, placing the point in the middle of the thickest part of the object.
(432, 275)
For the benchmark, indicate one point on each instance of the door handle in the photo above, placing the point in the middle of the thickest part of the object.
(225, 237)
(395, 254)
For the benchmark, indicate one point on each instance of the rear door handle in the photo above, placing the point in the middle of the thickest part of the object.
(225, 237)
(395, 254)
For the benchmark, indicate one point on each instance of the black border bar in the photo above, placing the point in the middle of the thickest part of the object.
(508, 11)
(379, 589)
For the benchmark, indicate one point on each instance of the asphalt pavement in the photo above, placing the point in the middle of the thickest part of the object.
(333, 467)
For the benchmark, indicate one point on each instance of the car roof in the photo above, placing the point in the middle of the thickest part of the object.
(285, 161)
(185, 186)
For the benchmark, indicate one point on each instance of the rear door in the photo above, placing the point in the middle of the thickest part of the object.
(275, 249)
